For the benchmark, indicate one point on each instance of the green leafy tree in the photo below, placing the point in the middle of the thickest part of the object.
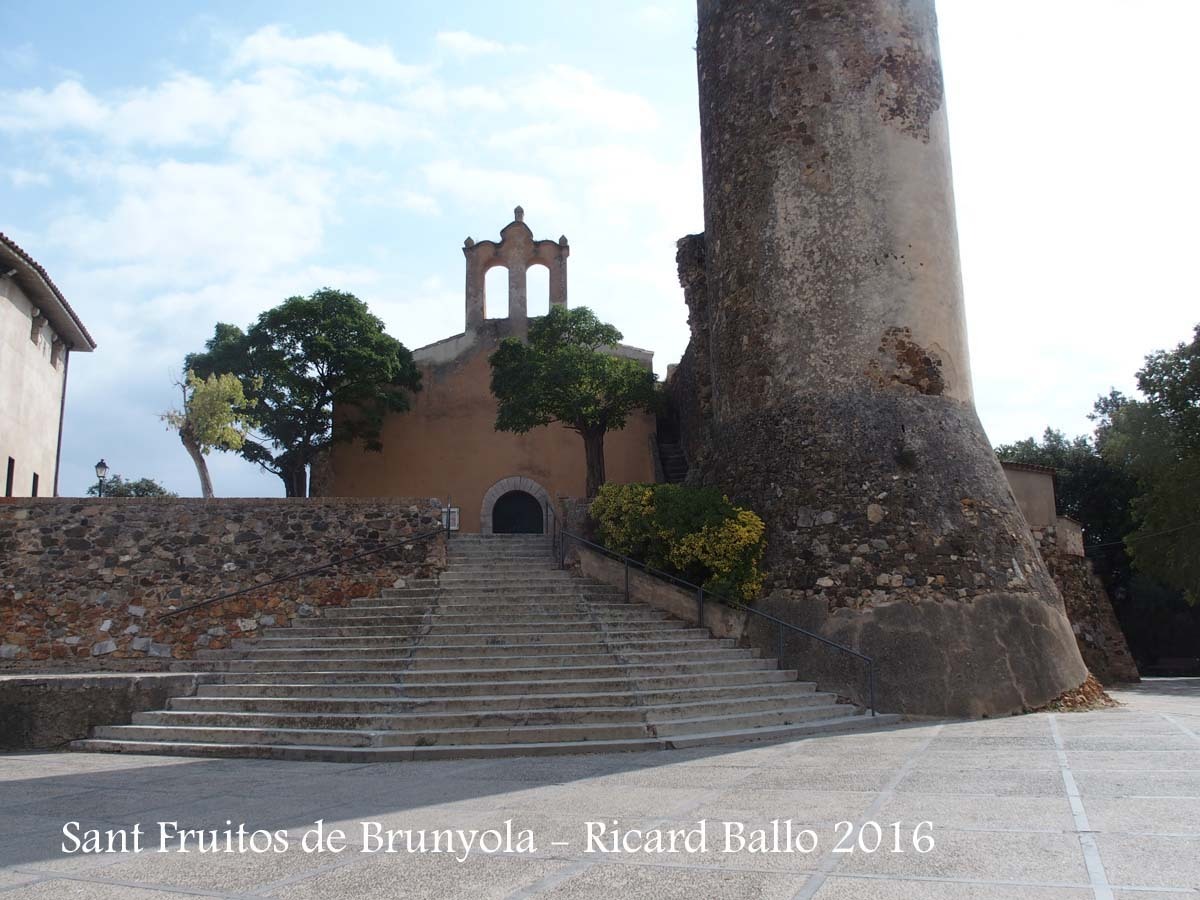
(297, 363)
(564, 374)
(1157, 439)
(116, 486)
(216, 414)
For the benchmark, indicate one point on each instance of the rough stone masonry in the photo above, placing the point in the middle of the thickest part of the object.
(87, 580)
(830, 354)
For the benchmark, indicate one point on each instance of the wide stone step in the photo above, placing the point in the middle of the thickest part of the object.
(514, 599)
(286, 636)
(538, 556)
(546, 567)
(417, 715)
(571, 649)
(840, 725)
(498, 575)
(547, 585)
(543, 672)
(492, 607)
(320, 684)
(472, 670)
(400, 624)
(326, 679)
(502, 570)
(469, 625)
(477, 734)
(483, 639)
(501, 648)
(309, 753)
(508, 660)
(546, 626)
(330, 737)
(268, 698)
(499, 664)
(497, 645)
(371, 621)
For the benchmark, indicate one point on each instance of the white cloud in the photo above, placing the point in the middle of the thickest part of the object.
(69, 105)
(276, 114)
(282, 114)
(269, 46)
(183, 109)
(566, 93)
(182, 222)
(463, 43)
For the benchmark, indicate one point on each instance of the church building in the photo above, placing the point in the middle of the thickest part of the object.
(446, 445)
(38, 333)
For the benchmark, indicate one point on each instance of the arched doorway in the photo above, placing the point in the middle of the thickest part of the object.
(514, 484)
(517, 512)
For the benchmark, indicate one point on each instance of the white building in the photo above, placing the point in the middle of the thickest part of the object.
(38, 331)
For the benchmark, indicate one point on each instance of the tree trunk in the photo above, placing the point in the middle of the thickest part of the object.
(295, 480)
(593, 448)
(193, 448)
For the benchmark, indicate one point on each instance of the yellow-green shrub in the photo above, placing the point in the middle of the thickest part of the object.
(695, 533)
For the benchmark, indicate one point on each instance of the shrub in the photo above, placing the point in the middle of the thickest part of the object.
(695, 533)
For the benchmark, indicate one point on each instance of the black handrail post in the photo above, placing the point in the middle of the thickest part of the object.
(627, 581)
(871, 679)
(700, 606)
(781, 665)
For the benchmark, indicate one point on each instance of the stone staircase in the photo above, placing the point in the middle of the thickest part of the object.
(674, 463)
(504, 656)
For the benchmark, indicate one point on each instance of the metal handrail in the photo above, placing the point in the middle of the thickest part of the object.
(411, 539)
(561, 544)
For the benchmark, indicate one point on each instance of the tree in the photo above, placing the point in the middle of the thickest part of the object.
(1158, 440)
(564, 374)
(215, 413)
(298, 362)
(116, 486)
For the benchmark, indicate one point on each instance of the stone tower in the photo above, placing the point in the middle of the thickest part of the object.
(832, 344)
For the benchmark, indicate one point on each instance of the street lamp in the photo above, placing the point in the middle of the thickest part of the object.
(101, 472)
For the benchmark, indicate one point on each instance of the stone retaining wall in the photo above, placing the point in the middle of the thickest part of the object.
(86, 581)
(1097, 632)
(723, 621)
(44, 712)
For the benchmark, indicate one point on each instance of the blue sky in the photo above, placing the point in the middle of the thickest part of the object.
(173, 167)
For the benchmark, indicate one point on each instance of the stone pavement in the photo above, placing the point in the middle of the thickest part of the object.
(1103, 804)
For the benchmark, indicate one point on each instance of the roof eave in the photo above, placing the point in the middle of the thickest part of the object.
(41, 291)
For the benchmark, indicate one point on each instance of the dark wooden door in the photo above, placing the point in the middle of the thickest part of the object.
(517, 513)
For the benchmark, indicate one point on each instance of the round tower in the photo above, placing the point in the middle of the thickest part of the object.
(841, 406)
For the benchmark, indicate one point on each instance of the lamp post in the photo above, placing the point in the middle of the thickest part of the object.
(101, 473)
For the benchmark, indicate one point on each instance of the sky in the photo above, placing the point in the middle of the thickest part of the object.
(175, 165)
